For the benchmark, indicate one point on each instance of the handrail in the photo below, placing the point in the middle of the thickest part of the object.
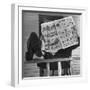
(51, 60)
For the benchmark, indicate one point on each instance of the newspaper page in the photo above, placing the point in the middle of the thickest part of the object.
(66, 31)
(52, 42)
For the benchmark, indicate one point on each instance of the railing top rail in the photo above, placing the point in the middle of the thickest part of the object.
(51, 60)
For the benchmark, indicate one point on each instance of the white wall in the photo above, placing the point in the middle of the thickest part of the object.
(5, 43)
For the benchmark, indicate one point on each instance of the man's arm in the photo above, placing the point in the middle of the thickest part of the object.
(75, 46)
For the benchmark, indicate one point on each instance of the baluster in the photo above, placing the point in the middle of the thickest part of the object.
(48, 69)
(59, 68)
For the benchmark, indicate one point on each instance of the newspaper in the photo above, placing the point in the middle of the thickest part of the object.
(59, 34)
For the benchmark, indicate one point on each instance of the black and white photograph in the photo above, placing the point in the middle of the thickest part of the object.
(47, 45)
(50, 44)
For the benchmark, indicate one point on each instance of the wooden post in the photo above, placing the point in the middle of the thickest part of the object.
(48, 69)
(59, 68)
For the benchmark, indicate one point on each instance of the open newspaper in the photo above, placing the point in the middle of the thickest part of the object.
(59, 34)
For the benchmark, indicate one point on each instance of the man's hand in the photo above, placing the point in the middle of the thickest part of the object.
(36, 57)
